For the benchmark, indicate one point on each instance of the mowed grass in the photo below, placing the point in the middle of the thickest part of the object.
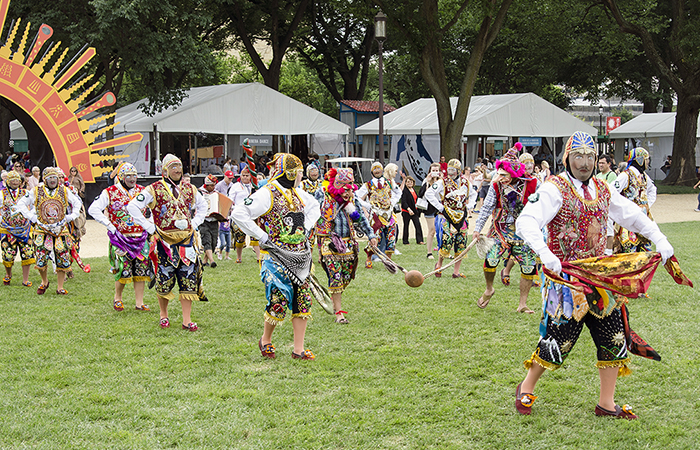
(415, 368)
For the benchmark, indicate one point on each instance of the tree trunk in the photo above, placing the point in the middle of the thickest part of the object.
(682, 170)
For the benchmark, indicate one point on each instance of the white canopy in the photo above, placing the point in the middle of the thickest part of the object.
(17, 131)
(250, 109)
(648, 125)
(348, 159)
(489, 115)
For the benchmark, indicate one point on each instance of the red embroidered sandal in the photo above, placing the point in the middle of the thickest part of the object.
(368, 264)
(6, 281)
(61, 292)
(165, 323)
(505, 279)
(306, 354)
(437, 274)
(27, 284)
(341, 320)
(458, 275)
(524, 402)
(267, 350)
(142, 308)
(118, 305)
(190, 327)
(42, 288)
(621, 412)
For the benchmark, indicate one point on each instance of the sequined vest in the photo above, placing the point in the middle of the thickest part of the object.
(579, 229)
(311, 186)
(330, 209)
(636, 191)
(380, 198)
(284, 221)
(7, 220)
(117, 213)
(510, 204)
(167, 209)
(456, 204)
(51, 207)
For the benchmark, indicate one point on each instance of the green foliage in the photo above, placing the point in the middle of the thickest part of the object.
(624, 114)
(415, 368)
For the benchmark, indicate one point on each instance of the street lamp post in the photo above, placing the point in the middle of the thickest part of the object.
(600, 143)
(380, 36)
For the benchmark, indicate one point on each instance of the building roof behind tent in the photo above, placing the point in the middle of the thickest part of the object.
(489, 115)
(250, 108)
(648, 125)
(367, 106)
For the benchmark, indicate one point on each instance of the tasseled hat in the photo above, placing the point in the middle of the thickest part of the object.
(50, 172)
(510, 163)
(638, 154)
(285, 164)
(526, 157)
(13, 175)
(125, 169)
(169, 161)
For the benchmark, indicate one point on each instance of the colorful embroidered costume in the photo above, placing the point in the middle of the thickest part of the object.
(128, 246)
(336, 231)
(450, 197)
(379, 196)
(280, 216)
(177, 249)
(635, 185)
(52, 210)
(15, 229)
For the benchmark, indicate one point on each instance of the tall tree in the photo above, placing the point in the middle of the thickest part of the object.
(337, 44)
(668, 32)
(271, 22)
(425, 24)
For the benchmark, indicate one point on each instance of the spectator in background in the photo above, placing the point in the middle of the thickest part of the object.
(227, 165)
(605, 169)
(76, 180)
(667, 165)
(35, 178)
(409, 211)
(443, 167)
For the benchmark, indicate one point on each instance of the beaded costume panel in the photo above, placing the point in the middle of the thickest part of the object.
(117, 213)
(51, 206)
(579, 229)
(454, 200)
(167, 209)
(636, 191)
(7, 220)
(311, 186)
(284, 221)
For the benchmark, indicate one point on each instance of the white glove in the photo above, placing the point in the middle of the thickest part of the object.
(550, 261)
(608, 252)
(665, 249)
(111, 228)
(265, 237)
(181, 224)
(151, 229)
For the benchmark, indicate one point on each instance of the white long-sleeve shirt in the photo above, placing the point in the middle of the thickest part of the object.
(25, 205)
(535, 216)
(245, 213)
(139, 203)
(363, 191)
(622, 181)
(239, 192)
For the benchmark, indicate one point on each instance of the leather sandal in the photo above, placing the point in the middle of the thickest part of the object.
(368, 264)
(267, 350)
(525, 310)
(341, 320)
(27, 284)
(61, 292)
(524, 402)
(119, 306)
(143, 308)
(437, 274)
(458, 275)
(6, 281)
(621, 412)
(42, 288)
(484, 300)
(306, 354)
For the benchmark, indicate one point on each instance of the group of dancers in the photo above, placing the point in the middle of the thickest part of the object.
(156, 235)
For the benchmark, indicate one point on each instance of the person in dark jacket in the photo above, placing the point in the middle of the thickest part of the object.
(409, 211)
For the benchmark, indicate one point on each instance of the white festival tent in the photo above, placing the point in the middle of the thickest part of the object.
(653, 131)
(510, 115)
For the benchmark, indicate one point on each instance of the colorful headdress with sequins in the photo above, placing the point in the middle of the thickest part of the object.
(638, 154)
(211, 180)
(339, 181)
(510, 164)
(526, 157)
(126, 169)
(169, 161)
(50, 172)
(376, 165)
(312, 166)
(13, 175)
(578, 142)
(454, 164)
(285, 164)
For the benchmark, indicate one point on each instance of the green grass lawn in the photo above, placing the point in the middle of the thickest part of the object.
(415, 368)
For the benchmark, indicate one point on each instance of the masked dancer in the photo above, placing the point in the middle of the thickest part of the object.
(128, 241)
(450, 197)
(51, 206)
(574, 206)
(176, 250)
(337, 239)
(379, 196)
(508, 194)
(280, 216)
(238, 193)
(15, 230)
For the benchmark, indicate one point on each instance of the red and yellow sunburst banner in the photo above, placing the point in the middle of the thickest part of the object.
(44, 93)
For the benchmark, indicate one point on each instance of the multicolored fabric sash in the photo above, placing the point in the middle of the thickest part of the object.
(130, 245)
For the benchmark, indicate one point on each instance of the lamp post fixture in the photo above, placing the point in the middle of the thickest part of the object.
(380, 36)
(600, 143)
